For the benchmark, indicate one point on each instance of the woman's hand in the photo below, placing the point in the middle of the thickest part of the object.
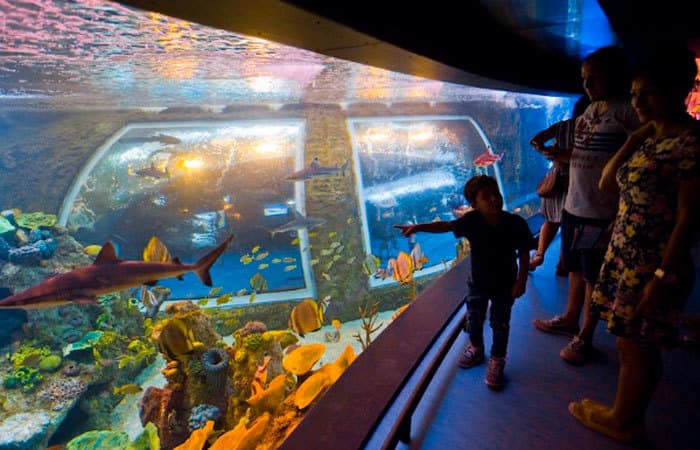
(651, 298)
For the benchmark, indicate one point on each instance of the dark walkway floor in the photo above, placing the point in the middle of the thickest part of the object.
(459, 412)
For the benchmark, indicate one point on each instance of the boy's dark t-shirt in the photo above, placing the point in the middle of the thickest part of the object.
(493, 257)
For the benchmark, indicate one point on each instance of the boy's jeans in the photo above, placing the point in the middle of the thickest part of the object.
(477, 301)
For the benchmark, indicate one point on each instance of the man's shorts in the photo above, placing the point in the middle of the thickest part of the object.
(583, 244)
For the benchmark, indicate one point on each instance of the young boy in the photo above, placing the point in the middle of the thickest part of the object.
(496, 237)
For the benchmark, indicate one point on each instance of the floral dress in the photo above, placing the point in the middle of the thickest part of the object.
(649, 183)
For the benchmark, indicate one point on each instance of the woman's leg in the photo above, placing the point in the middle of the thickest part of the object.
(640, 372)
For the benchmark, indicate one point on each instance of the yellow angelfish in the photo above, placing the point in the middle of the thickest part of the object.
(306, 317)
(156, 251)
(92, 250)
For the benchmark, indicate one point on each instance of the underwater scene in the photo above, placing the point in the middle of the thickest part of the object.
(196, 226)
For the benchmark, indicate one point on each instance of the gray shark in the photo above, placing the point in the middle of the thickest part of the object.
(108, 274)
(315, 170)
(298, 223)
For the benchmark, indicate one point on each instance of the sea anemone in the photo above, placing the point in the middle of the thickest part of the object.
(215, 362)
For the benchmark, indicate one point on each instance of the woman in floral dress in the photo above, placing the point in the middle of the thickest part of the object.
(648, 272)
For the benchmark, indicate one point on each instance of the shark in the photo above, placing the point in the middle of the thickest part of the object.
(315, 170)
(299, 222)
(108, 274)
(151, 171)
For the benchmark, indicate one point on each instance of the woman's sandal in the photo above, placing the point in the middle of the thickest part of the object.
(536, 261)
(585, 411)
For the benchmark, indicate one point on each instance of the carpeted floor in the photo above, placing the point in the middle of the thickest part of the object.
(460, 412)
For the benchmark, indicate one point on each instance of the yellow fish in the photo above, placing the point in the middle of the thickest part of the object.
(255, 249)
(306, 317)
(326, 276)
(252, 297)
(263, 266)
(92, 250)
(243, 291)
(223, 299)
(290, 268)
(246, 259)
(417, 257)
(433, 209)
(314, 261)
(276, 261)
(126, 389)
(156, 251)
(336, 324)
(203, 302)
(295, 241)
(332, 234)
(288, 259)
(262, 255)
(215, 291)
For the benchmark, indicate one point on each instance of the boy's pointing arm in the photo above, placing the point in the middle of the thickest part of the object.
(427, 227)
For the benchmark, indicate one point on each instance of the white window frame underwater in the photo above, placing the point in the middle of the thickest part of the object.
(309, 291)
(378, 282)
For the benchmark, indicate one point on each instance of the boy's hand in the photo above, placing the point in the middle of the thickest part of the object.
(518, 289)
(406, 230)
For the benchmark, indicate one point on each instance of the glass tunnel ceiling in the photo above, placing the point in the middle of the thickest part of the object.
(93, 53)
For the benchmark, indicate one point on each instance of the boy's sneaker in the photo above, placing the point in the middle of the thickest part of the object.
(577, 351)
(471, 356)
(494, 374)
(556, 325)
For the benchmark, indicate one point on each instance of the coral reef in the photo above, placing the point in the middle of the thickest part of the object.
(100, 440)
(201, 414)
(61, 392)
(50, 363)
(25, 378)
(215, 364)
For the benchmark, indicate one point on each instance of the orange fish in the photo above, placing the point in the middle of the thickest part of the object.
(403, 268)
(487, 158)
(306, 317)
(417, 257)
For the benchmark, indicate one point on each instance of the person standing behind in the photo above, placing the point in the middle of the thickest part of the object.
(588, 211)
(499, 240)
(648, 270)
(562, 133)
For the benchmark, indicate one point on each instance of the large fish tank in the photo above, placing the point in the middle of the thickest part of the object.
(119, 125)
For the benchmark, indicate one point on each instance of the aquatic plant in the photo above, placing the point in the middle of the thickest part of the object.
(368, 315)
(215, 363)
(25, 378)
(138, 352)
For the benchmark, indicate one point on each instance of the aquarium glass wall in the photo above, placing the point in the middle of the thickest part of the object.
(197, 227)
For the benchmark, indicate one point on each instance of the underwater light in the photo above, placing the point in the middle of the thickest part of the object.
(193, 163)
(268, 148)
(262, 84)
(421, 135)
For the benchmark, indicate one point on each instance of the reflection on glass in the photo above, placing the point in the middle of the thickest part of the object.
(413, 169)
(192, 185)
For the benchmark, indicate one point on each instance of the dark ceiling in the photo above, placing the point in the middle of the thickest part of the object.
(535, 45)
